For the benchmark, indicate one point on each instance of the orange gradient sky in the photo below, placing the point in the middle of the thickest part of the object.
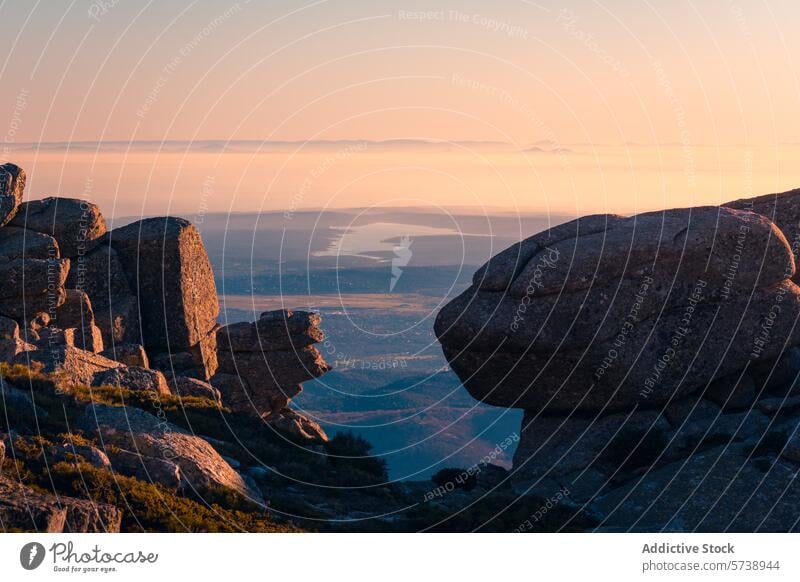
(568, 106)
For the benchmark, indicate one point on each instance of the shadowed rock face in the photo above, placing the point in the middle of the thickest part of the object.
(11, 344)
(183, 386)
(76, 320)
(18, 243)
(720, 489)
(128, 354)
(32, 277)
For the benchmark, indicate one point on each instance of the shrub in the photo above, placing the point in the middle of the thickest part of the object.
(349, 455)
(460, 478)
(76, 440)
(348, 444)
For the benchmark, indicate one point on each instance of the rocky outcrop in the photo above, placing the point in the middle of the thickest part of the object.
(202, 469)
(635, 346)
(86, 338)
(32, 272)
(73, 288)
(672, 292)
(70, 366)
(262, 365)
(156, 268)
(134, 309)
(279, 330)
(12, 186)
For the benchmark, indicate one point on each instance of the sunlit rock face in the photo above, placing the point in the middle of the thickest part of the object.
(262, 365)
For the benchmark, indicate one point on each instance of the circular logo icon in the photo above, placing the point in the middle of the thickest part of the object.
(31, 555)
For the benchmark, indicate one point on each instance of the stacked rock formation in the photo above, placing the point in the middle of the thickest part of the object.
(636, 343)
(262, 366)
(136, 308)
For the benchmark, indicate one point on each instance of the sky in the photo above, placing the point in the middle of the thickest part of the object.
(571, 105)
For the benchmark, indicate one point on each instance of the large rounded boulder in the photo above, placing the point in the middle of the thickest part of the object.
(610, 313)
(76, 224)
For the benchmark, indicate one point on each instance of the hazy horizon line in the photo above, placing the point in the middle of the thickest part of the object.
(462, 210)
(543, 146)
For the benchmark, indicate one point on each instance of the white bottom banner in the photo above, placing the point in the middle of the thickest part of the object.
(357, 557)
